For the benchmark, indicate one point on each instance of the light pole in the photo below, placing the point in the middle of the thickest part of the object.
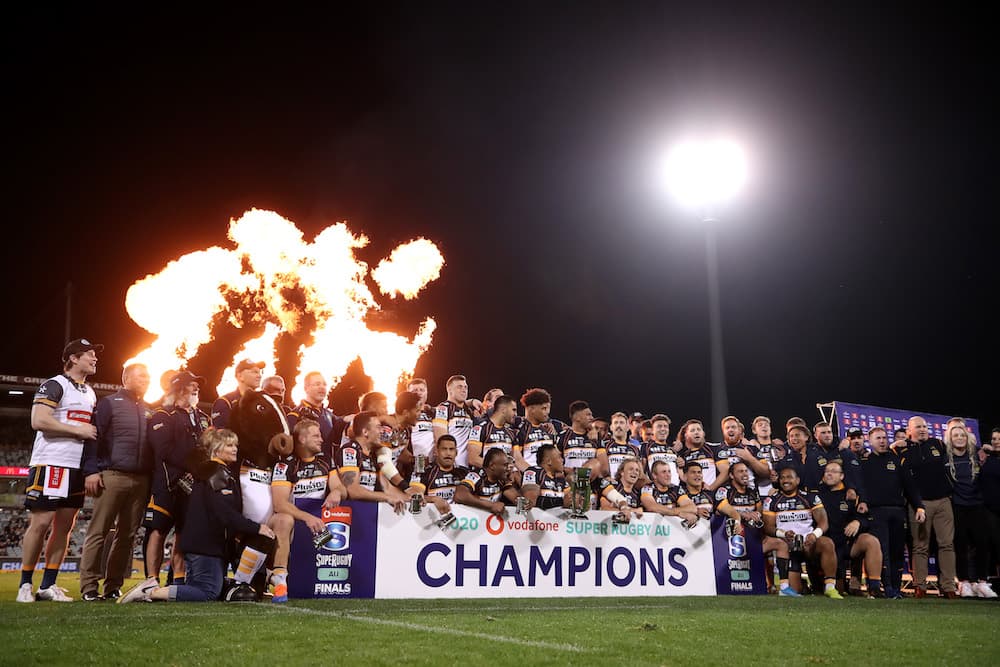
(703, 175)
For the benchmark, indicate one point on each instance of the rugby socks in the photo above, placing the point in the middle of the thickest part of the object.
(782, 564)
(874, 585)
(49, 576)
(27, 576)
(250, 561)
(830, 584)
(280, 580)
(179, 581)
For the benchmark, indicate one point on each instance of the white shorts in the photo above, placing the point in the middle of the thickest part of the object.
(256, 487)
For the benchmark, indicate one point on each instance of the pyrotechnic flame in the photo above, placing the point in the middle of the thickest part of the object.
(409, 267)
(279, 279)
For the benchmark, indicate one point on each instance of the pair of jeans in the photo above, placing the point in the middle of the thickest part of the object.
(203, 579)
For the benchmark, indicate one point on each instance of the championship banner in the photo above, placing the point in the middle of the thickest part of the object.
(343, 567)
(865, 417)
(373, 552)
(739, 560)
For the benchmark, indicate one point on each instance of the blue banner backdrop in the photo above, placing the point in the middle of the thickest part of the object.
(865, 417)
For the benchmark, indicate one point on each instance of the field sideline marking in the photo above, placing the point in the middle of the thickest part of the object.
(430, 628)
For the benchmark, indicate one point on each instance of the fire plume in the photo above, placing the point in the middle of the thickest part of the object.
(274, 280)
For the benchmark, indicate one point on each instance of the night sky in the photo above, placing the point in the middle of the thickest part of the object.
(855, 266)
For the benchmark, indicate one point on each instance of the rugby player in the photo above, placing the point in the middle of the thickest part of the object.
(619, 447)
(489, 487)
(494, 431)
(790, 513)
(439, 480)
(738, 448)
(739, 499)
(536, 429)
(579, 449)
(307, 474)
(663, 497)
(248, 374)
(768, 450)
(455, 416)
(659, 447)
(422, 433)
(545, 485)
(62, 416)
(694, 489)
(714, 465)
(358, 468)
(629, 483)
(850, 531)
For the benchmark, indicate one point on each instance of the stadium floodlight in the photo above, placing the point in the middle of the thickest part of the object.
(702, 174)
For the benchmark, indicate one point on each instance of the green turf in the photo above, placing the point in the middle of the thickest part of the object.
(634, 631)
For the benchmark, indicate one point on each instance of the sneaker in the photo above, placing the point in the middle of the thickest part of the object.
(833, 594)
(114, 595)
(966, 590)
(25, 593)
(280, 594)
(983, 590)
(52, 594)
(789, 592)
(90, 596)
(241, 593)
(140, 592)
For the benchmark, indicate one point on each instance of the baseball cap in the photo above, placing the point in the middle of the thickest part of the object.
(636, 416)
(245, 364)
(855, 433)
(184, 378)
(79, 346)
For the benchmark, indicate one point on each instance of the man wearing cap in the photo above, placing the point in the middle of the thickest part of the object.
(62, 416)
(118, 477)
(634, 425)
(173, 432)
(248, 374)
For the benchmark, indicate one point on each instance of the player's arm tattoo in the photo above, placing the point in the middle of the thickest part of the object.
(348, 477)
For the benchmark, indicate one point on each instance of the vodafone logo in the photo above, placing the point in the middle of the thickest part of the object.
(494, 524)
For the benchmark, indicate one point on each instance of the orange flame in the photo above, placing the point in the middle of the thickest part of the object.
(270, 261)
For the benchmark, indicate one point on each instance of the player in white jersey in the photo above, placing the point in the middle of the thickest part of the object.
(422, 434)
(456, 416)
(62, 415)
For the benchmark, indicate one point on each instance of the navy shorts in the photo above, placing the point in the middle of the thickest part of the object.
(35, 498)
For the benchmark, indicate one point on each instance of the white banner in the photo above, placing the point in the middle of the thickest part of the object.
(541, 554)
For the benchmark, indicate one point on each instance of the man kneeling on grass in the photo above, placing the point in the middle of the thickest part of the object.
(215, 513)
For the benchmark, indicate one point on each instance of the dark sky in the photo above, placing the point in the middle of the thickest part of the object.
(856, 266)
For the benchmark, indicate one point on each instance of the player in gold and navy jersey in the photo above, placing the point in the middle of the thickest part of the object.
(488, 488)
(545, 485)
(306, 474)
(658, 447)
(618, 448)
(440, 479)
(495, 431)
(577, 443)
(536, 429)
(798, 518)
(662, 496)
(739, 499)
(714, 463)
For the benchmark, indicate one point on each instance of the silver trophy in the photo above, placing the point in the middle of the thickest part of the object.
(522, 505)
(579, 483)
(416, 503)
(420, 464)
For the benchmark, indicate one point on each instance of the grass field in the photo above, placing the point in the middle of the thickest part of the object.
(635, 631)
